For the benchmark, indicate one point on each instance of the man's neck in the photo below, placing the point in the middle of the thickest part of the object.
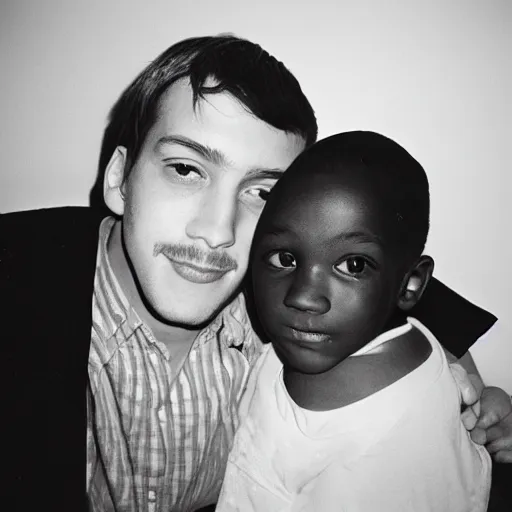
(172, 336)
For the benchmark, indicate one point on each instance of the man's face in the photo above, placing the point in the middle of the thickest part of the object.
(325, 275)
(192, 200)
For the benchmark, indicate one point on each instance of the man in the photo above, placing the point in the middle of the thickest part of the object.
(152, 297)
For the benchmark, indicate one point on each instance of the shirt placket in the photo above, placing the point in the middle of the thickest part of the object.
(159, 438)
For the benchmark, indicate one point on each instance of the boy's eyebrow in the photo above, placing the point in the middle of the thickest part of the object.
(277, 229)
(217, 157)
(360, 236)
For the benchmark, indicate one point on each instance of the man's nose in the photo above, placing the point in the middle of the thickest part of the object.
(309, 291)
(215, 219)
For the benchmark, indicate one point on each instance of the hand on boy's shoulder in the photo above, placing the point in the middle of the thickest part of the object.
(487, 413)
(494, 426)
(470, 389)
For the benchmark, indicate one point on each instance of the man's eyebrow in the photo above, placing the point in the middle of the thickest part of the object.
(218, 157)
(264, 173)
(212, 155)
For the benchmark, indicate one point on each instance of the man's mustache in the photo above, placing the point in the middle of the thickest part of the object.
(219, 260)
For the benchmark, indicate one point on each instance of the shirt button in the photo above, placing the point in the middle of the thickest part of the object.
(152, 496)
(118, 319)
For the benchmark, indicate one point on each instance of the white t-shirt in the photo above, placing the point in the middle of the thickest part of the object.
(403, 448)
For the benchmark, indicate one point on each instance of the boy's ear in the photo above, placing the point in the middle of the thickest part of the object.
(113, 181)
(415, 283)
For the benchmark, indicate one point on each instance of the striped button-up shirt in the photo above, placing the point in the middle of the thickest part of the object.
(159, 440)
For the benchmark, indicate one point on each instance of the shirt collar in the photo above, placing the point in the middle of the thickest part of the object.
(232, 325)
(383, 338)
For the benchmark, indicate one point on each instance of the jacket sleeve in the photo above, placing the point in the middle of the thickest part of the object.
(454, 321)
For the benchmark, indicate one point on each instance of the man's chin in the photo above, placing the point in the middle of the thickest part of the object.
(191, 312)
(184, 319)
(193, 317)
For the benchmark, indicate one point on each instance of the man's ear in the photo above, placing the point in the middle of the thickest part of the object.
(113, 182)
(415, 283)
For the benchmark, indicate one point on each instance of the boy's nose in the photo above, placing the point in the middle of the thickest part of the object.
(215, 221)
(309, 292)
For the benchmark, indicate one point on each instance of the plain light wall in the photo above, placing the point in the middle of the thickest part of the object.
(434, 75)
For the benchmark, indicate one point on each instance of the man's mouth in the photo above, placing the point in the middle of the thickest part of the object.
(196, 273)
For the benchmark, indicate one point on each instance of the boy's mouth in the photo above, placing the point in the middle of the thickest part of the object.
(308, 336)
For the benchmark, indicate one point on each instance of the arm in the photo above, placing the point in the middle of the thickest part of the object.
(458, 324)
(488, 412)
(494, 427)
(454, 321)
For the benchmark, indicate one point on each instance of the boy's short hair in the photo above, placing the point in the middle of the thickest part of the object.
(394, 173)
(259, 81)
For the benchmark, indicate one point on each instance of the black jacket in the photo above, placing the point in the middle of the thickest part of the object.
(47, 266)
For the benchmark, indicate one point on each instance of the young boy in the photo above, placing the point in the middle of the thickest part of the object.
(353, 406)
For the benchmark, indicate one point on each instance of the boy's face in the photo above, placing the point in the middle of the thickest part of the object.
(325, 277)
(192, 200)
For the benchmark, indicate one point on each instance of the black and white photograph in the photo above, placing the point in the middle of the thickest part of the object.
(255, 255)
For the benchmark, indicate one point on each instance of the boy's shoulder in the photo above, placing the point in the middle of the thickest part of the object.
(421, 363)
(391, 357)
(411, 349)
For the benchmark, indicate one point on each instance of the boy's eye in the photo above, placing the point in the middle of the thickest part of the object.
(282, 259)
(353, 266)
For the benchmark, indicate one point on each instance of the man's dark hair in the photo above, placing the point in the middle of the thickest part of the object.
(223, 63)
(395, 175)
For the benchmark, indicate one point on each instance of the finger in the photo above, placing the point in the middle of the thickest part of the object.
(499, 444)
(503, 456)
(488, 419)
(476, 408)
(469, 418)
(478, 386)
(496, 407)
(478, 435)
(496, 432)
(467, 390)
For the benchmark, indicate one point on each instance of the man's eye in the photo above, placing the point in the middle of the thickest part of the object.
(258, 195)
(282, 259)
(353, 266)
(185, 172)
(263, 193)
